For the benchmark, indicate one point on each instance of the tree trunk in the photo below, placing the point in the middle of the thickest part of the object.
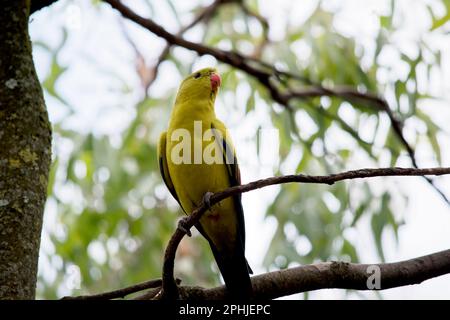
(25, 155)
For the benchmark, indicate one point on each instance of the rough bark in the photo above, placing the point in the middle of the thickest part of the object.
(325, 275)
(25, 155)
(337, 275)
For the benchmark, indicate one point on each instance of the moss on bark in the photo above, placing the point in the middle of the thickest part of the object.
(25, 155)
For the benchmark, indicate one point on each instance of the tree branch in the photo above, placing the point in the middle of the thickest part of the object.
(269, 73)
(148, 75)
(120, 293)
(232, 58)
(305, 278)
(25, 155)
(374, 100)
(335, 275)
(169, 288)
(327, 275)
(257, 53)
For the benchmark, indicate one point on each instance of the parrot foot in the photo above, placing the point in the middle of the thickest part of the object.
(182, 225)
(207, 199)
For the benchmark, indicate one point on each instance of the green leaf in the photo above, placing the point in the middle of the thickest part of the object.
(360, 211)
(250, 103)
(437, 23)
(379, 221)
(56, 71)
(350, 250)
(432, 131)
(52, 176)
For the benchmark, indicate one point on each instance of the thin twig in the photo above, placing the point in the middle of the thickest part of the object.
(120, 293)
(148, 74)
(257, 53)
(374, 100)
(149, 295)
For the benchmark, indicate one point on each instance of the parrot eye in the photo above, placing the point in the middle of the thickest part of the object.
(197, 75)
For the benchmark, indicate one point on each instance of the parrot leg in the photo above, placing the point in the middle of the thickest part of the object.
(207, 199)
(182, 225)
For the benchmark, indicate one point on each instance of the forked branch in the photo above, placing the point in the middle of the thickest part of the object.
(169, 288)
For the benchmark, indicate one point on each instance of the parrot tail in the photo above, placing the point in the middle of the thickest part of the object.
(235, 272)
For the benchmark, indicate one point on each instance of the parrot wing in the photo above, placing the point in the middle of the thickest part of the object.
(164, 168)
(234, 176)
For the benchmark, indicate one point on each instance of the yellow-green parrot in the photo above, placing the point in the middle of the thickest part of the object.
(197, 157)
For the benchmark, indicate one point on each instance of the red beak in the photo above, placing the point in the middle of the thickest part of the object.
(215, 81)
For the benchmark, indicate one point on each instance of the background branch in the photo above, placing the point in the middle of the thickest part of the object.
(270, 77)
(375, 101)
(148, 74)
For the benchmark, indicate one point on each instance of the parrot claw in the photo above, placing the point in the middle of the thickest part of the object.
(207, 199)
(182, 225)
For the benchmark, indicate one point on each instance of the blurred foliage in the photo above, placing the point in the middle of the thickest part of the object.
(114, 215)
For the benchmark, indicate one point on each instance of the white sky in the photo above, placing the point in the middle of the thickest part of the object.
(95, 40)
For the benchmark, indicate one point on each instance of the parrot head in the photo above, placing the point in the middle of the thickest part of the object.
(201, 84)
